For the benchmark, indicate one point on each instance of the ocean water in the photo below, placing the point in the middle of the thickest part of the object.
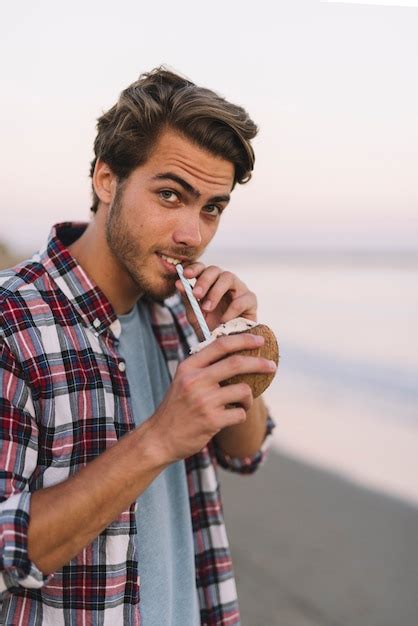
(346, 393)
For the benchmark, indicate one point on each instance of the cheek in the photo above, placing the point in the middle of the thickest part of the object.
(208, 231)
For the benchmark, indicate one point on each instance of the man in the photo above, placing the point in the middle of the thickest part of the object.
(110, 436)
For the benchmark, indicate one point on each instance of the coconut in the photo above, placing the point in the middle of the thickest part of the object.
(270, 350)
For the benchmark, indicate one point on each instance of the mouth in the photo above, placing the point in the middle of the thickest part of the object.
(170, 262)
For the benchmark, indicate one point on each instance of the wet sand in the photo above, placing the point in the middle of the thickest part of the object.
(313, 549)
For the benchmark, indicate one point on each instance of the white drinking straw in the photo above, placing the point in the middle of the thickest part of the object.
(195, 305)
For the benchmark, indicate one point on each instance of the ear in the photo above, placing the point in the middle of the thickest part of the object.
(104, 182)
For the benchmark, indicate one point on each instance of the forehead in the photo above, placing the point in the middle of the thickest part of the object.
(175, 153)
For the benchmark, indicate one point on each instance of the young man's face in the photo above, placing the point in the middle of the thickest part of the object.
(168, 207)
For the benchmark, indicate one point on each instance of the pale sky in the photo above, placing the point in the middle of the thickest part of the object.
(333, 88)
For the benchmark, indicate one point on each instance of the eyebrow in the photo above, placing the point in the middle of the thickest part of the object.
(187, 187)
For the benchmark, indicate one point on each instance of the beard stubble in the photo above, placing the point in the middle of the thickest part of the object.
(127, 251)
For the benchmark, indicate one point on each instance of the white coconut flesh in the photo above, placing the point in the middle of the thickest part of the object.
(237, 325)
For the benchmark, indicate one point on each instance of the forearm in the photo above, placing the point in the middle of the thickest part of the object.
(67, 517)
(244, 440)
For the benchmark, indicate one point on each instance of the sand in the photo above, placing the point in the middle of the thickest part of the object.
(313, 549)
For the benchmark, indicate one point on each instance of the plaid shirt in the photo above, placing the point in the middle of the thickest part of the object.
(64, 399)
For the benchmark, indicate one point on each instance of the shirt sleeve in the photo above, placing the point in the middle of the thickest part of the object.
(249, 464)
(18, 459)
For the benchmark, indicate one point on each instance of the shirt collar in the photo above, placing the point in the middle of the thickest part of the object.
(86, 297)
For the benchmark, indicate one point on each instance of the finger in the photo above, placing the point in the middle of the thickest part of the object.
(222, 347)
(194, 269)
(205, 280)
(239, 364)
(224, 283)
(241, 306)
(230, 417)
(236, 394)
(206, 277)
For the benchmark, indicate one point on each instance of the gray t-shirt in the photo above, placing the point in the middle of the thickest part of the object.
(165, 536)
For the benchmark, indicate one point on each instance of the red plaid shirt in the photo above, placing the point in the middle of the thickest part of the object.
(63, 401)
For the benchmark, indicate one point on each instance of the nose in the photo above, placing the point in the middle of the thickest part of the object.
(187, 232)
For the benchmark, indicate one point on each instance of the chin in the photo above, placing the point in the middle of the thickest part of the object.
(155, 287)
(157, 292)
(159, 295)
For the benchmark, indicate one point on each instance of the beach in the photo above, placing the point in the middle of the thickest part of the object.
(313, 549)
(345, 396)
(326, 533)
(349, 438)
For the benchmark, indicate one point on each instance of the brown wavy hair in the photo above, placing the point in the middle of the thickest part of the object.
(127, 133)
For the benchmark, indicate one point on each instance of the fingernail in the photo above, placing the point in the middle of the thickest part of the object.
(272, 366)
(258, 340)
(198, 291)
(206, 306)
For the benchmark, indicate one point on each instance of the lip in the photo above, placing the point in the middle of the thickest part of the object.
(168, 266)
(183, 260)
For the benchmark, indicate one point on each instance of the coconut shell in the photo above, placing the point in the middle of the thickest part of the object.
(270, 350)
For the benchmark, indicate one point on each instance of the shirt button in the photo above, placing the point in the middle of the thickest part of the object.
(96, 323)
(121, 366)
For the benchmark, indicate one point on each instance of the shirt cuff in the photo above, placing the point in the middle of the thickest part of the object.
(249, 464)
(16, 569)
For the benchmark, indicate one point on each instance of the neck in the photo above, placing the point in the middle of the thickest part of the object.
(92, 252)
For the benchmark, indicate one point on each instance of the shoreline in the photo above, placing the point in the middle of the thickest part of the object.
(354, 440)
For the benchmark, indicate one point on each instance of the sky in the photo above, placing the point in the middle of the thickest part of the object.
(332, 87)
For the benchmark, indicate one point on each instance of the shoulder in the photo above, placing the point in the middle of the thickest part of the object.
(13, 279)
(23, 301)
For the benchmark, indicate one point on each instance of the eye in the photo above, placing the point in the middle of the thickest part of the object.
(168, 195)
(213, 209)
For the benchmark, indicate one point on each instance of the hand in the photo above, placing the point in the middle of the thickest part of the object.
(222, 295)
(194, 408)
